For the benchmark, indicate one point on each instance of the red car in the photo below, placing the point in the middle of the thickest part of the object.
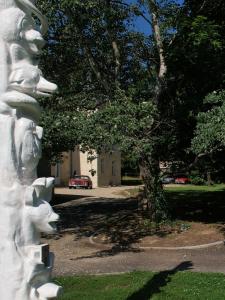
(80, 181)
(182, 179)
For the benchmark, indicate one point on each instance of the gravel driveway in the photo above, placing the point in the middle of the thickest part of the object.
(106, 192)
(86, 211)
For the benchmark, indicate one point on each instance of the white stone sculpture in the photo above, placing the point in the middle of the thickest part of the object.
(25, 263)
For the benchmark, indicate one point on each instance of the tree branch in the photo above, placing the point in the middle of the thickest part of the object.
(95, 68)
(156, 29)
(200, 155)
(135, 9)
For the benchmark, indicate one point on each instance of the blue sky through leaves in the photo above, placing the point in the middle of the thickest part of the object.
(140, 24)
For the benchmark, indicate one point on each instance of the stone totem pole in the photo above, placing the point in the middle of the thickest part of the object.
(25, 263)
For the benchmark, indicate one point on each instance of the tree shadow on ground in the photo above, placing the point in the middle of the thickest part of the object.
(60, 199)
(159, 280)
(198, 206)
(117, 224)
(114, 221)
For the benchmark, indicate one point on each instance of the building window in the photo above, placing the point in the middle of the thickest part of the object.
(102, 167)
(113, 168)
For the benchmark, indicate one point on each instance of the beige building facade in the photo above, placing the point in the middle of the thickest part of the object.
(104, 169)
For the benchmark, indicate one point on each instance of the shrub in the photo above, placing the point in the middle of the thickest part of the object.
(197, 180)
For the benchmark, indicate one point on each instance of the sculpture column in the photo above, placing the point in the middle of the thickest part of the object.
(25, 212)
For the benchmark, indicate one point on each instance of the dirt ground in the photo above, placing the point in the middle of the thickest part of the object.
(102, 232)
(107, 192)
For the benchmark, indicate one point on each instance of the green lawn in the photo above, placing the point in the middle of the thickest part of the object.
(194, 203)
(172, 285)
(197, 188)
(197, 203)
(189, 188)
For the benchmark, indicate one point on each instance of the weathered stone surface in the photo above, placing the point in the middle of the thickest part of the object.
(25, 264)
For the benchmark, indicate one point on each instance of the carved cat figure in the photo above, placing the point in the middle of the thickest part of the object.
(39, 215)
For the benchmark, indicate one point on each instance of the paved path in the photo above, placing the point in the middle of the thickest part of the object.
(78, 256)
(211, 260)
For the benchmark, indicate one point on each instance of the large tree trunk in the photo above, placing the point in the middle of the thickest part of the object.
(153, 191)
(153, 200)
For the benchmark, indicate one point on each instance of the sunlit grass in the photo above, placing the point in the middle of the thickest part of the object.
(172, 285)
(182, 188)
(190, 187)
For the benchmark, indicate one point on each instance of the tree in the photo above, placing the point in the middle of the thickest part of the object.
(195, 65)
(113, 78)
(85, 56)
(145, 133)
(119, 87)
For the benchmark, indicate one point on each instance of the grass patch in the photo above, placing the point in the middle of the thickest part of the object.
(196, 188)
(186, 188)
(194, 202)
(170, 285)
(197, 203)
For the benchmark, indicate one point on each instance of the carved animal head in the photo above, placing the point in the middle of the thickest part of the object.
(33, 41)
(27, 7)
(43, 217)
(39, 211)
(19, 25)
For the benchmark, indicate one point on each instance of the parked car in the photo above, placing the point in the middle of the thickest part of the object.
(182, 179)
(80, 181)
(168, 179)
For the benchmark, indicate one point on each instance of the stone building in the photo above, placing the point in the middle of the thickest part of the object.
(104, 169)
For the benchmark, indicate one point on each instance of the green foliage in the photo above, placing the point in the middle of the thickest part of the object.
(194, 68)
(80, 49)
(80, 58)
(203, 31)
(209, 133)
(59, 133)
(197, 180)
(124, 123)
